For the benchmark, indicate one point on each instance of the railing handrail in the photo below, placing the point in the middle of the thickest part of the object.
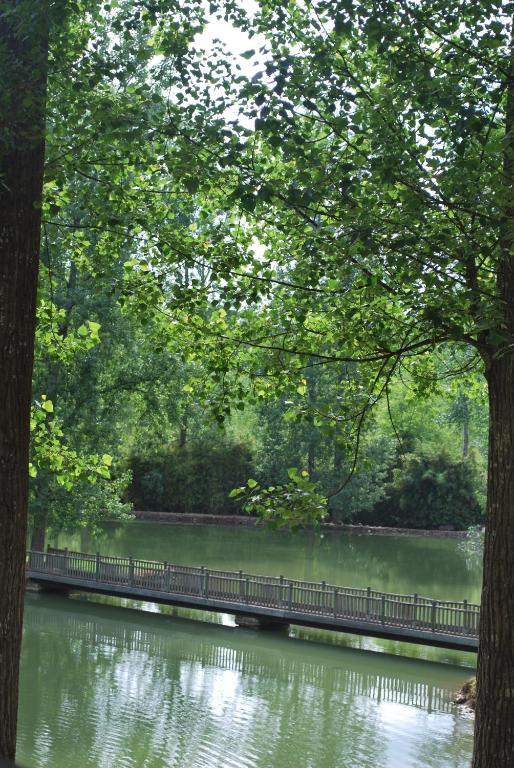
(199, 569)
(238, 589)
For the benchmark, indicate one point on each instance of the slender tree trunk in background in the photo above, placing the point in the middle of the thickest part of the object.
(465, 437)
(494, 728)
(337, 473)
(311, 436)
(38, 537)
(182, 436)
(465, 426)
(311, 459)
(23, 63)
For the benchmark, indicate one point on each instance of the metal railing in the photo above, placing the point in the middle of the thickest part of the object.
(287, 597)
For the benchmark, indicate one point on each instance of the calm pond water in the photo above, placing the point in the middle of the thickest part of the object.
(105, 686)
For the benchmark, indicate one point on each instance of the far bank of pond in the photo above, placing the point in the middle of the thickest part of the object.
(105, 686)
(247, 521)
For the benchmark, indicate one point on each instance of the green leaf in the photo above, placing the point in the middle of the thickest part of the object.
(251, 483)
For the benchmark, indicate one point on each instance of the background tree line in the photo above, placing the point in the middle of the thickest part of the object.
(120, 390)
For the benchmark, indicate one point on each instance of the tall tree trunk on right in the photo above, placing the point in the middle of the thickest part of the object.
(23, 63)
(494, 729)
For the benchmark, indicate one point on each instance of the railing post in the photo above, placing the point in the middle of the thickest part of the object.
(336, 592)
(241, 585)
(383, 610)
(434, 609)
(247, 589)
(131, 572)
(205, 581)
(97, 574)
(465, 616)
(290, 597)
(368, 601)
(65, 560)
(415, 601)
(323, 594)
(281, 592)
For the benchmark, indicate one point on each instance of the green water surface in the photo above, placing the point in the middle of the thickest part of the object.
(107, 686)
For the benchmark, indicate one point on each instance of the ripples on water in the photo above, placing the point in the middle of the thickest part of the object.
(110, 687)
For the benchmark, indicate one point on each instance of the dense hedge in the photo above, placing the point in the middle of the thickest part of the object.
(425, 490)
(196, 478)
(429, 490)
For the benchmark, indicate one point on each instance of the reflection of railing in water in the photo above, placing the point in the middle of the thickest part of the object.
(131, 637)
(362, 611)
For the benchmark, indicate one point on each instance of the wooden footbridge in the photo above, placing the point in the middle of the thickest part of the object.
(265, 600)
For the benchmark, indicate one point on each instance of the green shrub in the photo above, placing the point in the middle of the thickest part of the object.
(196, 478)
(430, 490)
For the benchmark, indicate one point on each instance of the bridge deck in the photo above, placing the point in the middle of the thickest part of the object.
(410, 618)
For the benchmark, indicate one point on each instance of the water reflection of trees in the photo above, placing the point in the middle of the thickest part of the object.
(116, 688)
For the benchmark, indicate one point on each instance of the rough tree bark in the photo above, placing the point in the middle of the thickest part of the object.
(23, 62)
(494, 728)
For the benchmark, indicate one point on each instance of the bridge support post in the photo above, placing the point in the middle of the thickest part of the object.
(433, 617)
(39, 586)
(260, 622)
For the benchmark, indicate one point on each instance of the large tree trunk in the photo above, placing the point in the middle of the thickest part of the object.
(494, 730)
(23, 57)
